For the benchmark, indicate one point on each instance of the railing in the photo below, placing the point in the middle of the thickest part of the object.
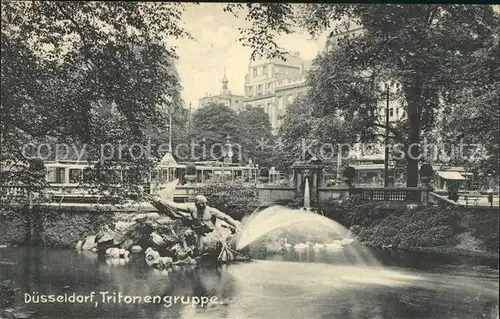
(276, 193)
(469, 200)
(478, 200)
(74, 193)
(17, 191)
(266, 193)
(391, 194)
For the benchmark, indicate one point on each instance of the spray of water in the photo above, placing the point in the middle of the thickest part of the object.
(302, 224)
(307, 196)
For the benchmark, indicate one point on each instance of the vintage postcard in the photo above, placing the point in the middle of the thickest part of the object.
(249, 160)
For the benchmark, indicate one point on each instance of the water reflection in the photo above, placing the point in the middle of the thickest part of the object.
(298, 284)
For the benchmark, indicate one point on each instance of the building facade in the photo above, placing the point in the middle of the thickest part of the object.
(225, 97)
(287, 91)
(270, 82)
(395, 104)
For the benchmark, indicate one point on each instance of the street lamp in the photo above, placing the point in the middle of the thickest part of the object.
(386, 155)
(169, 101)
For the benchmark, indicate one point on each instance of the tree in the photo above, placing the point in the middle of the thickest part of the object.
(305, 134)
(424, 48)
(61, 61)
(257, 136)
(471, 115)
(211, 126)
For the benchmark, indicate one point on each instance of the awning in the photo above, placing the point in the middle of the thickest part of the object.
(456, 176)
(368, 167)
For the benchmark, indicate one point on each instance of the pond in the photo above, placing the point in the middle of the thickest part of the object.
(298, 284)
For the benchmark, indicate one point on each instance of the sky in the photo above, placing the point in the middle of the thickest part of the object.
(202, 61)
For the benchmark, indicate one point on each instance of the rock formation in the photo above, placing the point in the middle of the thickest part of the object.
(165, 241)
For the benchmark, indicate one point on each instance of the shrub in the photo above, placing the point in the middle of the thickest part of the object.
(235, 198)
(264, 172)
(190, 169)
(354, 211)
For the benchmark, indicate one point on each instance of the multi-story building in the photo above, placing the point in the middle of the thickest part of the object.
(270, 81)
(332, 40)
(225, 97)
(396, 110)
(287, 91)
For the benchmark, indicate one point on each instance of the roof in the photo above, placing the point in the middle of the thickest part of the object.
(167, 160)
(452, 176)
(371, 157)
(364, 167)
(291, 59)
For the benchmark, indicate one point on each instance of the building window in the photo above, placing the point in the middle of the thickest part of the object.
(51, 175)
(250, 91)
(285, 100)
(391, 112)
(397, 112)
(60, 175)
(259, 89)
(264, 70)
(255, 72)
(270, 87)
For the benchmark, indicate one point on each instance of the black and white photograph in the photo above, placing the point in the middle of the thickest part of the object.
(238, 160)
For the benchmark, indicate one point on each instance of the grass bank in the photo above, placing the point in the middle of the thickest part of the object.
(453, 230)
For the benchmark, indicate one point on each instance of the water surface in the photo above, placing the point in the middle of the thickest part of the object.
(298, 284)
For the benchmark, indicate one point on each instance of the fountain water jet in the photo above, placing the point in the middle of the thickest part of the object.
(275, 218)
(307, 196)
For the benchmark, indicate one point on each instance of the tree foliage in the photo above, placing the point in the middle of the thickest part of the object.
(257, 136)
(471, 115)
(211, 127)
(427, 50)
(249, 132)
(88, 73)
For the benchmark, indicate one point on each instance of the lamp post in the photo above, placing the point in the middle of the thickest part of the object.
(426, 173)
(386, 155)
(349, 175)
(169, 101)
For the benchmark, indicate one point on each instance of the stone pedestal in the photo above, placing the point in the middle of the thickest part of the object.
(312, 172)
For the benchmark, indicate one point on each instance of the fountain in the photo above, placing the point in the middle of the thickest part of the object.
(298, 223)
(307, 196)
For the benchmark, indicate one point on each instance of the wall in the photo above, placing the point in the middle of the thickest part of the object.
(50, 227)
(274, 194)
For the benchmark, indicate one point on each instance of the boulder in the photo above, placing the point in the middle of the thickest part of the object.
(165, 221)
(79, 245)
(124, 231)
(151, 256)
(182, 253)
(156, 239)
(142, 218)
(104, 241)
(127, 243)
(136, 249)
(113, 253)
(185, 261)
(165, 262)
(104, 237)
(89, 243)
